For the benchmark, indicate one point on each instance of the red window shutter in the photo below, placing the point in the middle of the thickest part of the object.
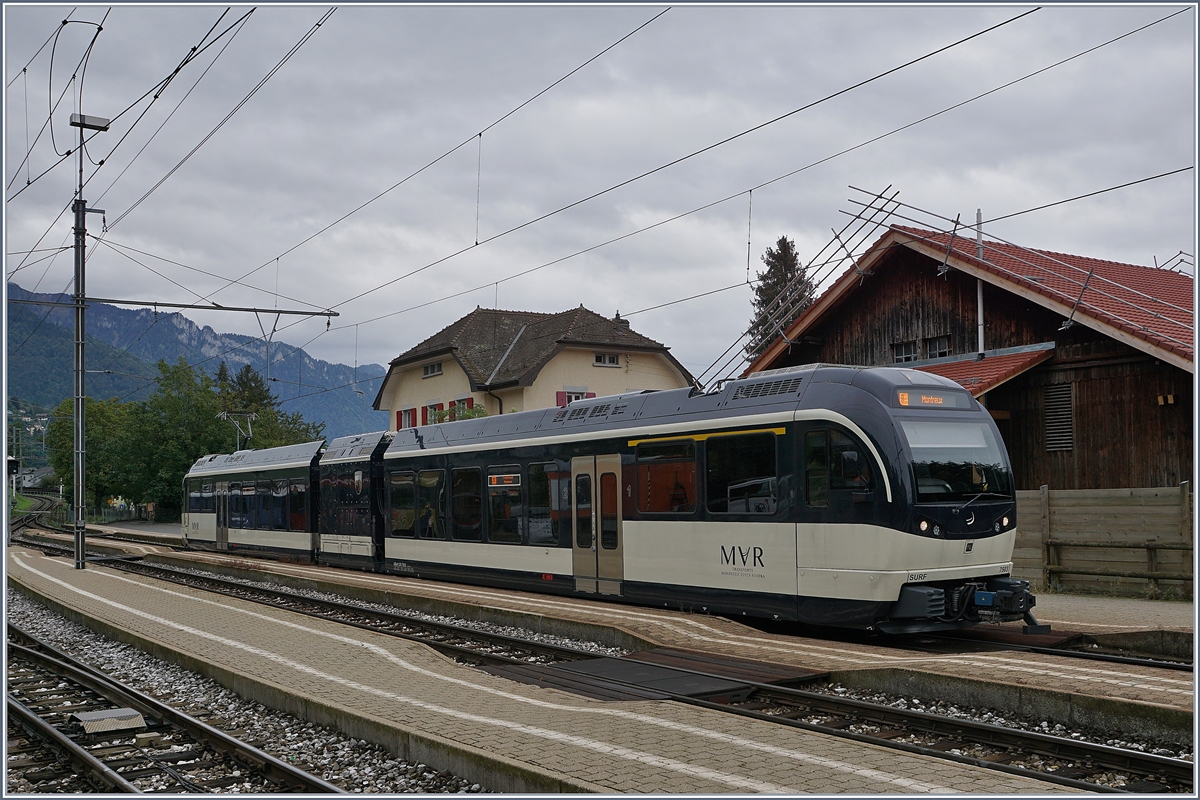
(441, 406)
(560, 399)
(412, 416)
(470, 402)
(589, 394)
(399, 420)
(424, 415)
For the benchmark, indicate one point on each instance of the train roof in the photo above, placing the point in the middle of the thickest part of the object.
(292, 455)
(763, 394)
(357, 447)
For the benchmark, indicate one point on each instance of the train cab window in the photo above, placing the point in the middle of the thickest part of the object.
(666, 477)
(583, 510)
(506, 518)
(849, 468)
(430, 502)
(402, 503)
(741, 474)
(208, 498)
(298, 505)
(834, 461)
(549, 503)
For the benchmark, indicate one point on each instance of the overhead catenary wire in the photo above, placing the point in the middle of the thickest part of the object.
(448, 153)
(799, 170)
(156, 90)
(241, 103)
(43, 47)
(694, 153)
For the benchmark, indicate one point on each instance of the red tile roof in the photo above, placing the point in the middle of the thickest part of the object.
(1154, 305)
(978, 377)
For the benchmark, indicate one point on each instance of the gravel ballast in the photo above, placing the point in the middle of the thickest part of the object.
(352, 764)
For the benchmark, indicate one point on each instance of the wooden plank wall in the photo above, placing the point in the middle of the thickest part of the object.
(1097, 516)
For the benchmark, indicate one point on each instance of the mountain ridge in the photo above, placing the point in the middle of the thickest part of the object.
(134, 340)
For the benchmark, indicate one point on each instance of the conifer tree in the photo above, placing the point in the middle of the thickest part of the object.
(785, 280)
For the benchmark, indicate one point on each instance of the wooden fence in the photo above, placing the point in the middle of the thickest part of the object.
(1127, 541)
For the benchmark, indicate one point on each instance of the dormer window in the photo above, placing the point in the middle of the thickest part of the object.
(429, 370)
(607, 360)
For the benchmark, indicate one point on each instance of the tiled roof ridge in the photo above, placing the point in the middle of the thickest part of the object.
(928, 234)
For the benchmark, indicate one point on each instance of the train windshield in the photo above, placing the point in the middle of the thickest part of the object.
(956, 461)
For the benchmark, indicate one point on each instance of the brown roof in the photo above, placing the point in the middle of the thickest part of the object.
(981, 376)
(1150, 308)
(503, 348)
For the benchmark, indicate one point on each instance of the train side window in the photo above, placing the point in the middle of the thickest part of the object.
(194, 502)
(506, 517)
(816, 468)
(402, 503)
(235, 505)
(249, 505)
(666, 477)
(741, 474)
(208, 498)
(849, 468)
(279, 505)
(549, 504)
(466, 504)
(265, 505)
(430, 502)
(583, 510)
(298, 505)
(608, 510)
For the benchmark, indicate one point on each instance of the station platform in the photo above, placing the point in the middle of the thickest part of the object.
(507, 736)
(1105, 696)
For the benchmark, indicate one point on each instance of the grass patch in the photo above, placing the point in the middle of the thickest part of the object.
(22, 504)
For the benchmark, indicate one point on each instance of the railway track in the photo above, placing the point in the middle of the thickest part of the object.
(1056, 759)
(72, 728)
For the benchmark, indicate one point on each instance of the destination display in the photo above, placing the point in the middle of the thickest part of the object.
(504, 480)
(932, 398)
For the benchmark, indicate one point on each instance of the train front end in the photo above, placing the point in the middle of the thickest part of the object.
(962, 505)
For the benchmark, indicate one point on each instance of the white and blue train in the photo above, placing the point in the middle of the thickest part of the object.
(872, 498)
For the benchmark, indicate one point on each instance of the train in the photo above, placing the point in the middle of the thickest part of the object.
(874, 498)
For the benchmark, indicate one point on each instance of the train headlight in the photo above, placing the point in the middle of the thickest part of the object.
(1004, 522)
(924, 526)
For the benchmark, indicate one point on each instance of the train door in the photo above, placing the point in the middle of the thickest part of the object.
(597, 542)
(222, 542)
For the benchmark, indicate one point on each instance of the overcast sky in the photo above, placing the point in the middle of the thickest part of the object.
(378, 92)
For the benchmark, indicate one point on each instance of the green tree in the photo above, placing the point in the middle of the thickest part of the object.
(247, 392)
(784, 289)
(107, 426)
(170, 430)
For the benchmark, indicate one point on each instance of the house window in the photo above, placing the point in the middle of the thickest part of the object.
(937, 347)
(904, 351)
(407, 418)
(457, 405)
(607, 360)
(1060, 417)
(571, 395)
(429, 370)
(429, 413)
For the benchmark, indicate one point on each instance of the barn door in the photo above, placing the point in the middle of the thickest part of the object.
(597, 542)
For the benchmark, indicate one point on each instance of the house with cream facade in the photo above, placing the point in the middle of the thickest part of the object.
(508, 361)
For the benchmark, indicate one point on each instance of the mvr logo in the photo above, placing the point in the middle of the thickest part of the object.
(742, 556)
